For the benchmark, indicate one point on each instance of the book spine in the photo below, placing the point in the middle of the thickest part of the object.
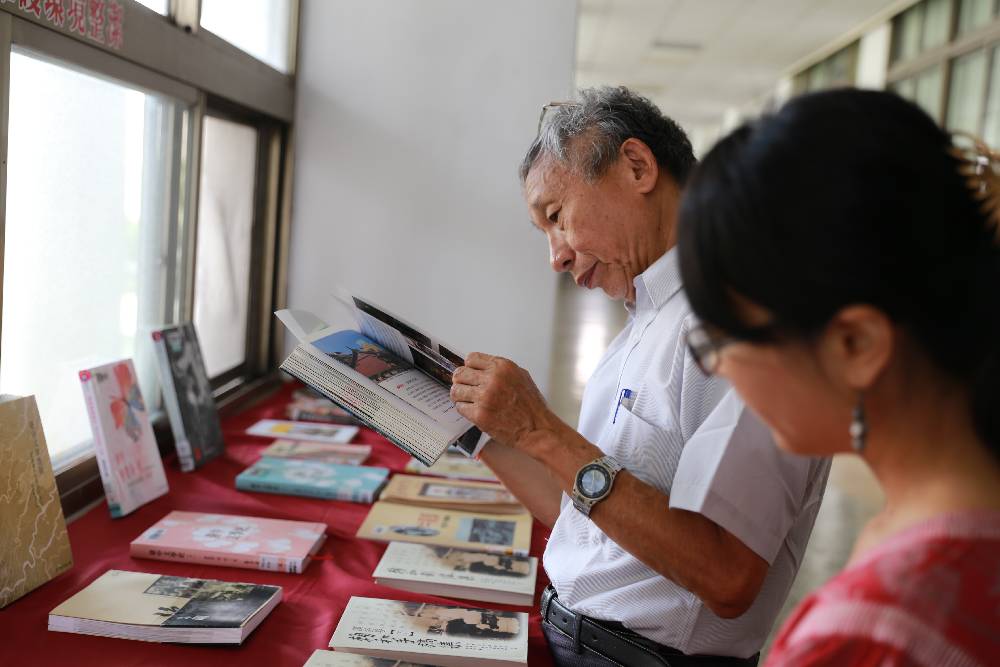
(289, 489)
(111, 490)
(266, 562)
(181, 443)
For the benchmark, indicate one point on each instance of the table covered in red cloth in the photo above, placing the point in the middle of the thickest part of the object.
(312, 602)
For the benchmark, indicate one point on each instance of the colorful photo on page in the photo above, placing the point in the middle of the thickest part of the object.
(362, 354)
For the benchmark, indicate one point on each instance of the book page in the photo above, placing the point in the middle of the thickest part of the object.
(458, 567)
(391, 373)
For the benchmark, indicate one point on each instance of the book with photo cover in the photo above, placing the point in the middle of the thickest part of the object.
(157, 608)
(358, 484)
(451, 494)
(308, 431)
(454, 466)
(321, 658)
(459, 573)
(351, 455)
(188, 396)
(391, 376)
(478, 531)
(231, 541)
(34, 547)
(127, 456)
(436, 634)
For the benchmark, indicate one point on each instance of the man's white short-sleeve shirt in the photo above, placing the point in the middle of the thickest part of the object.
(690, 437)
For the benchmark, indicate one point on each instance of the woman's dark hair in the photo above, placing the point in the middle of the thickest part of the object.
(849, 197)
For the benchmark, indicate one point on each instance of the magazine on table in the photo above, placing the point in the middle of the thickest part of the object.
(277, 545)
(436, 634)
(309, 431)
(392, 377)
(460, 573)
(479, 531)
(295, 477)
(453, 466)
(451, 494)
(318, 451)
(157, 608)
(321, 658)
(127, 456)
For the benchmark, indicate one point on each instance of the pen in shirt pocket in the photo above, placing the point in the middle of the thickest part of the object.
(627, 399)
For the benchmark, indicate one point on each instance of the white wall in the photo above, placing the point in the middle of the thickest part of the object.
(412, 116)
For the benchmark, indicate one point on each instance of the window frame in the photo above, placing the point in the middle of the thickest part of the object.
(170, 56)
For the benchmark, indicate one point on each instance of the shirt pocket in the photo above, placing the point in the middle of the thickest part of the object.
(649, 451)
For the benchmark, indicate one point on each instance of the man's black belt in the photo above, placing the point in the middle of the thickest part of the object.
(619, 646)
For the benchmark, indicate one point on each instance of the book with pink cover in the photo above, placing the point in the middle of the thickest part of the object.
(231, 541)
(127, 456)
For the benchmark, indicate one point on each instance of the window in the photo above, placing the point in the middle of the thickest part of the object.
(954, 77)
(90, 164)
(262, 28)
(225, 227)
(100, 210)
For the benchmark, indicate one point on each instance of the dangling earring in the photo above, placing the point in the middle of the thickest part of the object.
(859, 426)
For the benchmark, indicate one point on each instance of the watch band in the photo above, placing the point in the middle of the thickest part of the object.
(582, 503)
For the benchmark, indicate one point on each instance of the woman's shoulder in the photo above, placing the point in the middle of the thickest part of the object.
(931, 593)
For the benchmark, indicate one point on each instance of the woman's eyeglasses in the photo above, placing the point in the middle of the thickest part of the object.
(706, 348)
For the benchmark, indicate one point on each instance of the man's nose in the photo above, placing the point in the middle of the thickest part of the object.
(560, 255)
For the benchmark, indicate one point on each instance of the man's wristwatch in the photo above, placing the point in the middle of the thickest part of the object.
(593, 483)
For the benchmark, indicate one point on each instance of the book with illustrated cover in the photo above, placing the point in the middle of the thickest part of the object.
(157, 608)
(188, 396)
(308, 431)
(315, 451)
(451, 494)
(359, 484)
(454, 466)
(478, 531)
(436, 634)
(321, 658)
(231, 541)
(127, 456)
(392, 377)
(460, 573)
(35, 545)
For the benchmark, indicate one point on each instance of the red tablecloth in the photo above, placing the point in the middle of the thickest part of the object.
(312, 602)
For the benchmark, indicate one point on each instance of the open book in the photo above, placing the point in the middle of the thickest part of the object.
(389, 375)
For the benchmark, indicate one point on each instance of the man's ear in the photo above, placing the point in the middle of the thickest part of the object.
(640, 164)
(857, 346)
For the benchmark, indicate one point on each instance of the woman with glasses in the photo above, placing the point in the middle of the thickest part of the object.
(842, 256)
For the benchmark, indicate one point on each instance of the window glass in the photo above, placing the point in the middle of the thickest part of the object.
(974, 14)
(929, 90)
(937, 24)
(259, 27)
(991, 120)
(907, 29)
(89, 171)
(967, 91)
(225, 226)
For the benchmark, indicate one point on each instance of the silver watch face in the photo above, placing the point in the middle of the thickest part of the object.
(593, 481)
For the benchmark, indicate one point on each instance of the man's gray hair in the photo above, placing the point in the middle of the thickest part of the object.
(586, 134)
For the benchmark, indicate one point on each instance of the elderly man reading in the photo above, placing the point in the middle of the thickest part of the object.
(677, 526)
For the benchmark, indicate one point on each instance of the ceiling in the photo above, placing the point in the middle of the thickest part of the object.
(698, 58)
